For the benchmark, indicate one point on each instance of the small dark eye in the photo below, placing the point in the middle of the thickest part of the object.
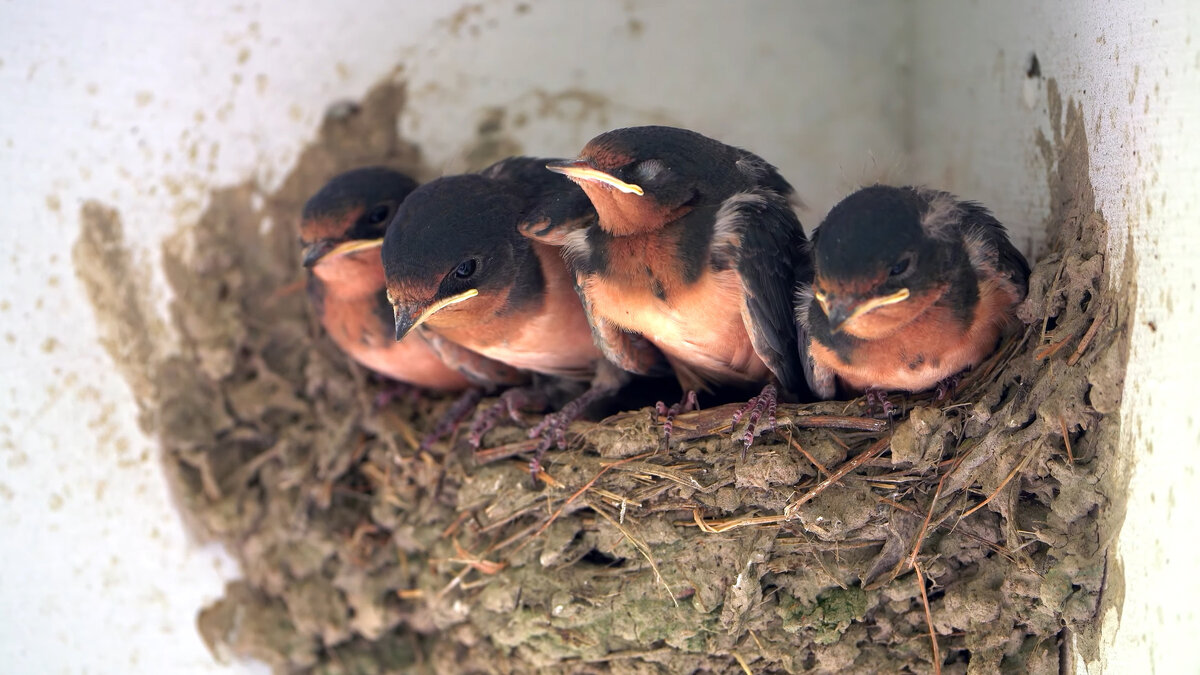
(379, 214)
(899, 268)
(649, 169)
(465, 269)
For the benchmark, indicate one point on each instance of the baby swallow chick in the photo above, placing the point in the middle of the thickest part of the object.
(341, 232)
(911, 287)
(457, 265)
(695, 257)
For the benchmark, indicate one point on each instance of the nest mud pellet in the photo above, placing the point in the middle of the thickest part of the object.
(817, 552)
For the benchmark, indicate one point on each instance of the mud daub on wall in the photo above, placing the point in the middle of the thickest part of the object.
(361, 553)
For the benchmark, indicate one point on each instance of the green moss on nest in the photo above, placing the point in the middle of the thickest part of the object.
(828, 618)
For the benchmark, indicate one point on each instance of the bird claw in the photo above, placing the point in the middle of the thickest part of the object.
(485, 421)
(946, 387)
(877, 401)
(392, 391)
(553, 432)
(668, 413)
(764, 402)
(510, 403)
(453, 416)
(556, 437)
(553, 427)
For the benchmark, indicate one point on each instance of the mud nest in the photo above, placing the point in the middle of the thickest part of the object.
(837, 544)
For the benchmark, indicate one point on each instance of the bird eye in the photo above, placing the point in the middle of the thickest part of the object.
(899, 268)
(465, 269)
(379, 214)
(649, 169)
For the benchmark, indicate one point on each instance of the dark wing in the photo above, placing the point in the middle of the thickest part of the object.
(555, 206)
(519, 169)
(773, 261)
(811, 325)
(763, 174)
(988, 245)
(628, 351)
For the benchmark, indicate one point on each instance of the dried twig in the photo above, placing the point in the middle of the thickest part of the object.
(757, 642)
(872, 452)
(839, 422)
(897, 505)
(1087, 338)
(1054, 347)
(839, 441)
(1066, 439)
(912, 558)
(1062, 265)
(1000, 550)
(475, 562)
(513, 538)
(937, 654)
(616, 499)
(553, 517)
(820, 467)
(742, 662)
(714, 421)
(452, 528)
(505, 451)
(719, 526)
(641, 546)
(1051, 349)
(454, 582)
(669, 473)
(1011, 474)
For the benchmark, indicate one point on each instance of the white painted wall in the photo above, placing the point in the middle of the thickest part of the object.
(1135, 68)
(109, 102)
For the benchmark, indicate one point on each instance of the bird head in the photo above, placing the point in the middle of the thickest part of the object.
(453, 254)
(882, 257)
(350, 214)
(641, 178)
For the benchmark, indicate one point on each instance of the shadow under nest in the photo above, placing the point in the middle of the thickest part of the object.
(837, 544)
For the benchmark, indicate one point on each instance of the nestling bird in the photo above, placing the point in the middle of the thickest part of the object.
(911, 287)
(697, 251)
(341, 230)
(457, 265)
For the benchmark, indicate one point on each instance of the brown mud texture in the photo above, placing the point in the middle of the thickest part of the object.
(839, 543)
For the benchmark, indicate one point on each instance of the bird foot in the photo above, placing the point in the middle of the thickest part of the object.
(878, 403)
(510, 403)
(553, 427)
(453, 416)
(668, 414)
(946, 387)
(764, 402)
(392, 391)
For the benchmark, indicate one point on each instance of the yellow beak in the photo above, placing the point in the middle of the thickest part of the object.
(581, 170)
(405, 321)
(321, 250)
(355, 245)
(841, 313)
